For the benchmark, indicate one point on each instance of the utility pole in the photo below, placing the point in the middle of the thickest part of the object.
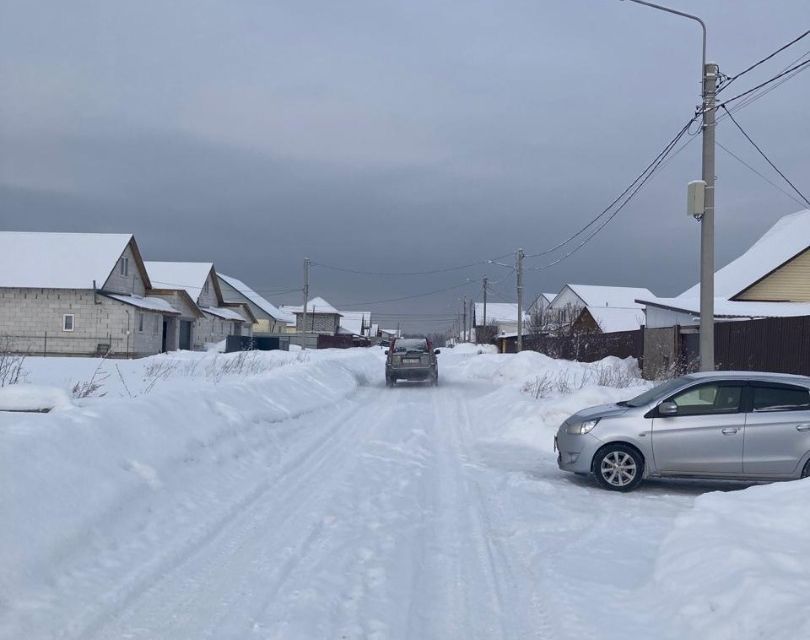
(306, 301)
(464, 311)
(520, 256)
(472, 321)
(709, 74)
(485, 306)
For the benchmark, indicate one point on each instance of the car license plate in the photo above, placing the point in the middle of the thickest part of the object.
(410, 360)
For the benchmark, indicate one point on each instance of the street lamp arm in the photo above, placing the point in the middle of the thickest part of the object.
(685, 15)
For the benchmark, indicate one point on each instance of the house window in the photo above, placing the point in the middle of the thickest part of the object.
(67, 322)
(124, 266)
(140, 322)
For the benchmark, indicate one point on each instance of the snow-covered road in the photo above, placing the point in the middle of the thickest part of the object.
(383, 513)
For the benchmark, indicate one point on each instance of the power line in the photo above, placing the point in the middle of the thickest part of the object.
(798, 68)
(648, 173)
(418, 295)
(763, 60)
(761, 175)
(767, 159)
(641, 177)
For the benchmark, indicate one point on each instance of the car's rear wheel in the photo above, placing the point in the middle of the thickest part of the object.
(806, 470)
(618, 467)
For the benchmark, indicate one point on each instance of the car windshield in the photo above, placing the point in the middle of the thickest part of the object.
(408, 345)
(660, 391)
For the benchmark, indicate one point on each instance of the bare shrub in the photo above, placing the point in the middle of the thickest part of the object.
(92, 387)
(540, 387)
(11, 364)
(614, 375)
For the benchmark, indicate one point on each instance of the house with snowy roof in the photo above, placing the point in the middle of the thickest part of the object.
(597, 308)
(769, 280)
(79, 294)
(321, 317)
(269, 318)
(501, 316)
(190, 286)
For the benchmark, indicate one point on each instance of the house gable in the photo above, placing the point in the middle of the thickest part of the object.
(128, 274)
(789, 282)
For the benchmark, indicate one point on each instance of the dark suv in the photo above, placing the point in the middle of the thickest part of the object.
(411, 359)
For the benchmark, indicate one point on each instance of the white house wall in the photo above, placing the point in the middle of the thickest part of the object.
(657, 318)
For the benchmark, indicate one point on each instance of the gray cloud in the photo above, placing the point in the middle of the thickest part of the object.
(385, 136)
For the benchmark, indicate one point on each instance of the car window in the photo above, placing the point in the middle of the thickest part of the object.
(780, 398)
(410, 345)
(708, 398)
(662, 390)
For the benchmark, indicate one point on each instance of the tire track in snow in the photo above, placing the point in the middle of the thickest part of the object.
(157, 584)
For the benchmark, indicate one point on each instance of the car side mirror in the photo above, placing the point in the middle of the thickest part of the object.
(437, 351)
(667, 409)
(385, 352)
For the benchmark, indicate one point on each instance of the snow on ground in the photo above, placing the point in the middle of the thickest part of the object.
(291, 495)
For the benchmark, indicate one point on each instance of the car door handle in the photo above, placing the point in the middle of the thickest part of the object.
(803, 427)
(730, 431)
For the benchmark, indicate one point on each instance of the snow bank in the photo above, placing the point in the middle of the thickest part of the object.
(64, 474)
(737, 565)
(32, 397)
(517, 412)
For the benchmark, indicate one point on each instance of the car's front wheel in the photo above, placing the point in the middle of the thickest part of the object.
(806, 470)
(618, 467)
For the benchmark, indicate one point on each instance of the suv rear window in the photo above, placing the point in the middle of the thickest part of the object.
(410, 345)
(781, 398)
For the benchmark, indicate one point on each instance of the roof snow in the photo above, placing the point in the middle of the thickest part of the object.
(59, 260)
(224, 313)
(315, 305)
(256, 299)
(786, 239)
(734, 308)
(497, 312)
(619, 297)
(613, 319)
(189, 276)
(148, 303)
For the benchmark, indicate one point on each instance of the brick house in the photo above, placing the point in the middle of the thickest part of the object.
(194, 285)
(322, 318)
(79, 294)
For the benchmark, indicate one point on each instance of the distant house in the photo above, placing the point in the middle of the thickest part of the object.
(80, 294)
(356, 323)
(771, 279)
(198, 280)
(609, 308)
(321, 317)
(501, 316)
(269, 318)
(541, 304)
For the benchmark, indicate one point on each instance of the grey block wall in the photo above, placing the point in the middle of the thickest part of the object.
(318, 323)
(31, 320)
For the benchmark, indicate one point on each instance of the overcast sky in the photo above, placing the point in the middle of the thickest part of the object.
(390, 136)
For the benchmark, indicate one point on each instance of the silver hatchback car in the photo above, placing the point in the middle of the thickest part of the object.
(738, 425)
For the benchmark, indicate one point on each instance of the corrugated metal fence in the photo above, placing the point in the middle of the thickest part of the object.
(771, 344)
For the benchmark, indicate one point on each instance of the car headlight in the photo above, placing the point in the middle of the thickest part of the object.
(582, 428)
